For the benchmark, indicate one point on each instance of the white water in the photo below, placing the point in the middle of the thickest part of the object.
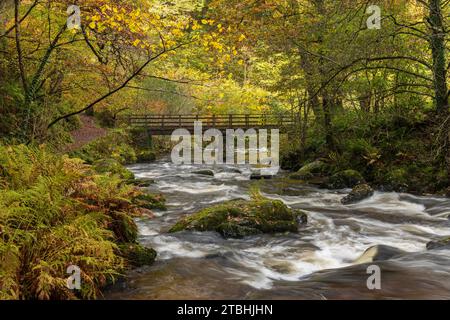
(335, 236)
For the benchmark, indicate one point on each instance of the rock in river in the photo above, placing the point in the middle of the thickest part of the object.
(378, 253)
(345, 179)
(310, 170)
(205, 172)
(359, 193)
(443, 243)
(241, 218)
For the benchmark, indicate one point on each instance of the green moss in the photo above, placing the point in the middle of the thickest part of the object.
(150, 201)
(112, 166)
(56, 212)
(242, 218)
(141, 182)
(124, 227)
(116, 145)
(145, 156)
(345, 179)
(137, 255)
(358, 193)
(310, 170)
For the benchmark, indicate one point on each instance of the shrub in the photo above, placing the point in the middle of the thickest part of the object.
(56, 212)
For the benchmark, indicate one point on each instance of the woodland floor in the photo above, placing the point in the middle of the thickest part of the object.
(88, 132)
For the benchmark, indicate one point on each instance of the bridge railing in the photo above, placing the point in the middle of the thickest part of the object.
(228, 121)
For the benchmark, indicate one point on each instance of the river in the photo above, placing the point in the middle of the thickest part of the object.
(318, 262)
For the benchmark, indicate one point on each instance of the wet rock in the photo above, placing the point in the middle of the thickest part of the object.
(345, 179)
(260, 176)
(443, 243)
(137, 255)
(310, 170)
(146, 156)
(240, 218)
(378, 253)
(231, 170)
(359, 193)
(205, 172)
(447, 192)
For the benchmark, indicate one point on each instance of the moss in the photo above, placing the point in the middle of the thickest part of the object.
(240, 218)
(345, 179)
(56, 212)
(358, 193)
(137, 255)
(150, 201)
(112, 166)
(115, 145)
(146, 156)
(124, 227)
(397, 179)
(310, 170)
(141, 182)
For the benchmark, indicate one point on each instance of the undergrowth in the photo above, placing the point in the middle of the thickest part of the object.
(55, 212)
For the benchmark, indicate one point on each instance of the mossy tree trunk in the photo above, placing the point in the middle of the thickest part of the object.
(438, 49)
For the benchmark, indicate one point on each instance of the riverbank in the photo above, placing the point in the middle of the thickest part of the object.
(57, 212)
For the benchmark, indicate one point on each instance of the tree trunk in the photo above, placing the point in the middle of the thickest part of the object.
(438, 50)
(437, 43)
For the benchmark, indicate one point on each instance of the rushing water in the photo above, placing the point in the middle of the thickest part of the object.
(318, 262)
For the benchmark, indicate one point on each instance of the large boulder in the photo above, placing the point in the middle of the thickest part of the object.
(396, 180)
(310, 170)
(240, 218)
(137, 255)
(345, 179)
(378, 253)
(443, 243)
(358, 193)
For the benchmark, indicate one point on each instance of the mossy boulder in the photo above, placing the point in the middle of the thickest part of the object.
(443, 243)
(240, 218)
(358, 193)
(123, 226)
(141, 182)
(345, 179)
(310, 170)
(146, 156)
(150, 201)
(113, 166)
(137, 255)
(397, 180)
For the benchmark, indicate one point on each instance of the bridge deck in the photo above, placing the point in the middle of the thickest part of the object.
(166, 124)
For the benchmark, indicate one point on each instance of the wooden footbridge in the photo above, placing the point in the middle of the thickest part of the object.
(166, 124)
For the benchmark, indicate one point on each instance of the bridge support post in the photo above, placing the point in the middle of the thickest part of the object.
(149, 139)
